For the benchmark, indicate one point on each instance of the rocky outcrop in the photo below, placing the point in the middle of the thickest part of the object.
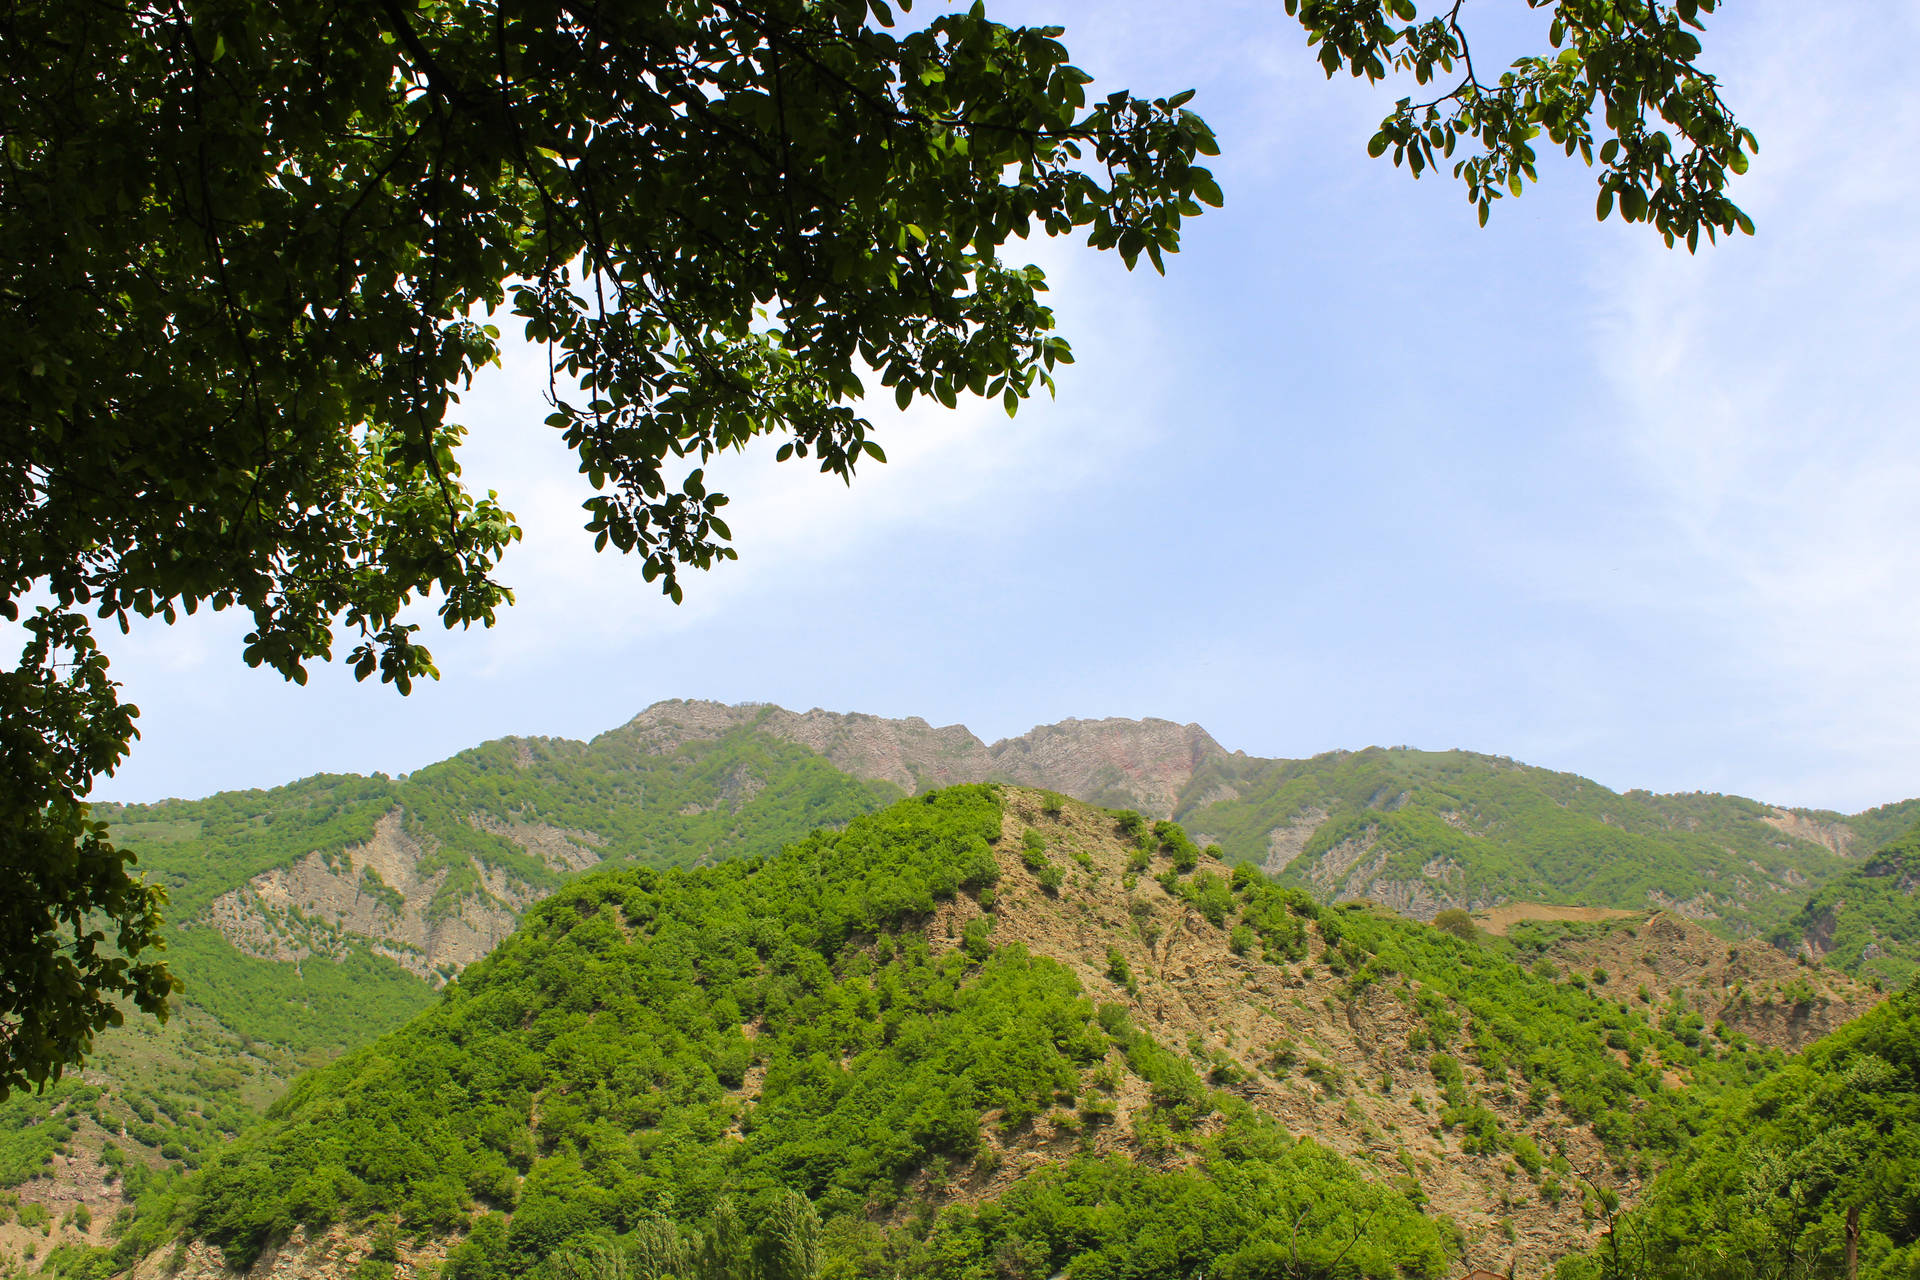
(1836, 837)
(378, 892)
(1288, 842)
(1139, 764)
(559, 847)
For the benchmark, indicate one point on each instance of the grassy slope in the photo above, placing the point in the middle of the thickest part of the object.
(1518, 832)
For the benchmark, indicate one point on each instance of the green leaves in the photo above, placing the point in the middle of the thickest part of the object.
(1628, 63)
(77, 929)
(246, 286)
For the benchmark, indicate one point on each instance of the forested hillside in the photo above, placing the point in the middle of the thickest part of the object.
(315, 917)
(952, 1031)
(1419, 831)
(293, 945)
(1794, 1174)
(1424, 830)
(1868, 920)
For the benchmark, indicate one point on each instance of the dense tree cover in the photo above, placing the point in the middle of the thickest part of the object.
(1787, 1173)
(1867, 921)
(590, 1077)
(250, 1022)
(1507, 830)
(1258, 1204)
(643, 982)
(591, 1080)
(245, 285)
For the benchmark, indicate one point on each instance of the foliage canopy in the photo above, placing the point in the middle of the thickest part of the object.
(251, 251)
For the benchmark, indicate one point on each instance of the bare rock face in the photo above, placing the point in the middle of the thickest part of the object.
(336, 1253)
(1141, 764)
(1144, 764)
(379, 891)
(1286, 843)
(558, 847)
(1835, 836)
(910, 753)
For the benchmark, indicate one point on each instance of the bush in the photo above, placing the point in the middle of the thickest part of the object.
(1033, 850)
(1459, 923)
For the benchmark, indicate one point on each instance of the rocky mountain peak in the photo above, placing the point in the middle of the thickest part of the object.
(1139, 764)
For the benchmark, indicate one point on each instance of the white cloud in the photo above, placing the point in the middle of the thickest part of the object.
(1766, 407)
(971, 466)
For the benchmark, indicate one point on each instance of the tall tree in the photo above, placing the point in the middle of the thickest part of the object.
(252, 250)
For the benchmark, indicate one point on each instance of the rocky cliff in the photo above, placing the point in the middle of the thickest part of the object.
(1138, 764)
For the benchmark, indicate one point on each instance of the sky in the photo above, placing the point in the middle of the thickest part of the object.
(1355, 472)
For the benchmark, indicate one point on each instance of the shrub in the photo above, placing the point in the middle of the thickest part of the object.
(1457, 922)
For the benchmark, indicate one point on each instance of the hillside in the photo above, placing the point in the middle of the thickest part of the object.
(1419, 831)
(419, 876)
(955, 1027)
(317, 916)
(1868, 920)
(1792, 1174)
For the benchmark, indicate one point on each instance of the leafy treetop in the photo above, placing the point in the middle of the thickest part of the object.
(252, 250)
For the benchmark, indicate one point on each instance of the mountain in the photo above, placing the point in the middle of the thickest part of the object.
(1419, 831)
(424, 874)
(313, 918)
(995, 1029)
(1868, 920)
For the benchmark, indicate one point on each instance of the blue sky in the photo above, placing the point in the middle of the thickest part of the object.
(1355, 472)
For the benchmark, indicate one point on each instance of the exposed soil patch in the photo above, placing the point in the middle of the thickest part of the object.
(1497, 920)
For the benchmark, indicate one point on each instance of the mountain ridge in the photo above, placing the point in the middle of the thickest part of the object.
(1141, 759)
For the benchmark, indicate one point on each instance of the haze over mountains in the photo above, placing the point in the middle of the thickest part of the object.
(315, 917)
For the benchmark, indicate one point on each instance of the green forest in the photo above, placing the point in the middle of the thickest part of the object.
(1868, 920)
(732, 992)
(716, 1071)
(739, 1051)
